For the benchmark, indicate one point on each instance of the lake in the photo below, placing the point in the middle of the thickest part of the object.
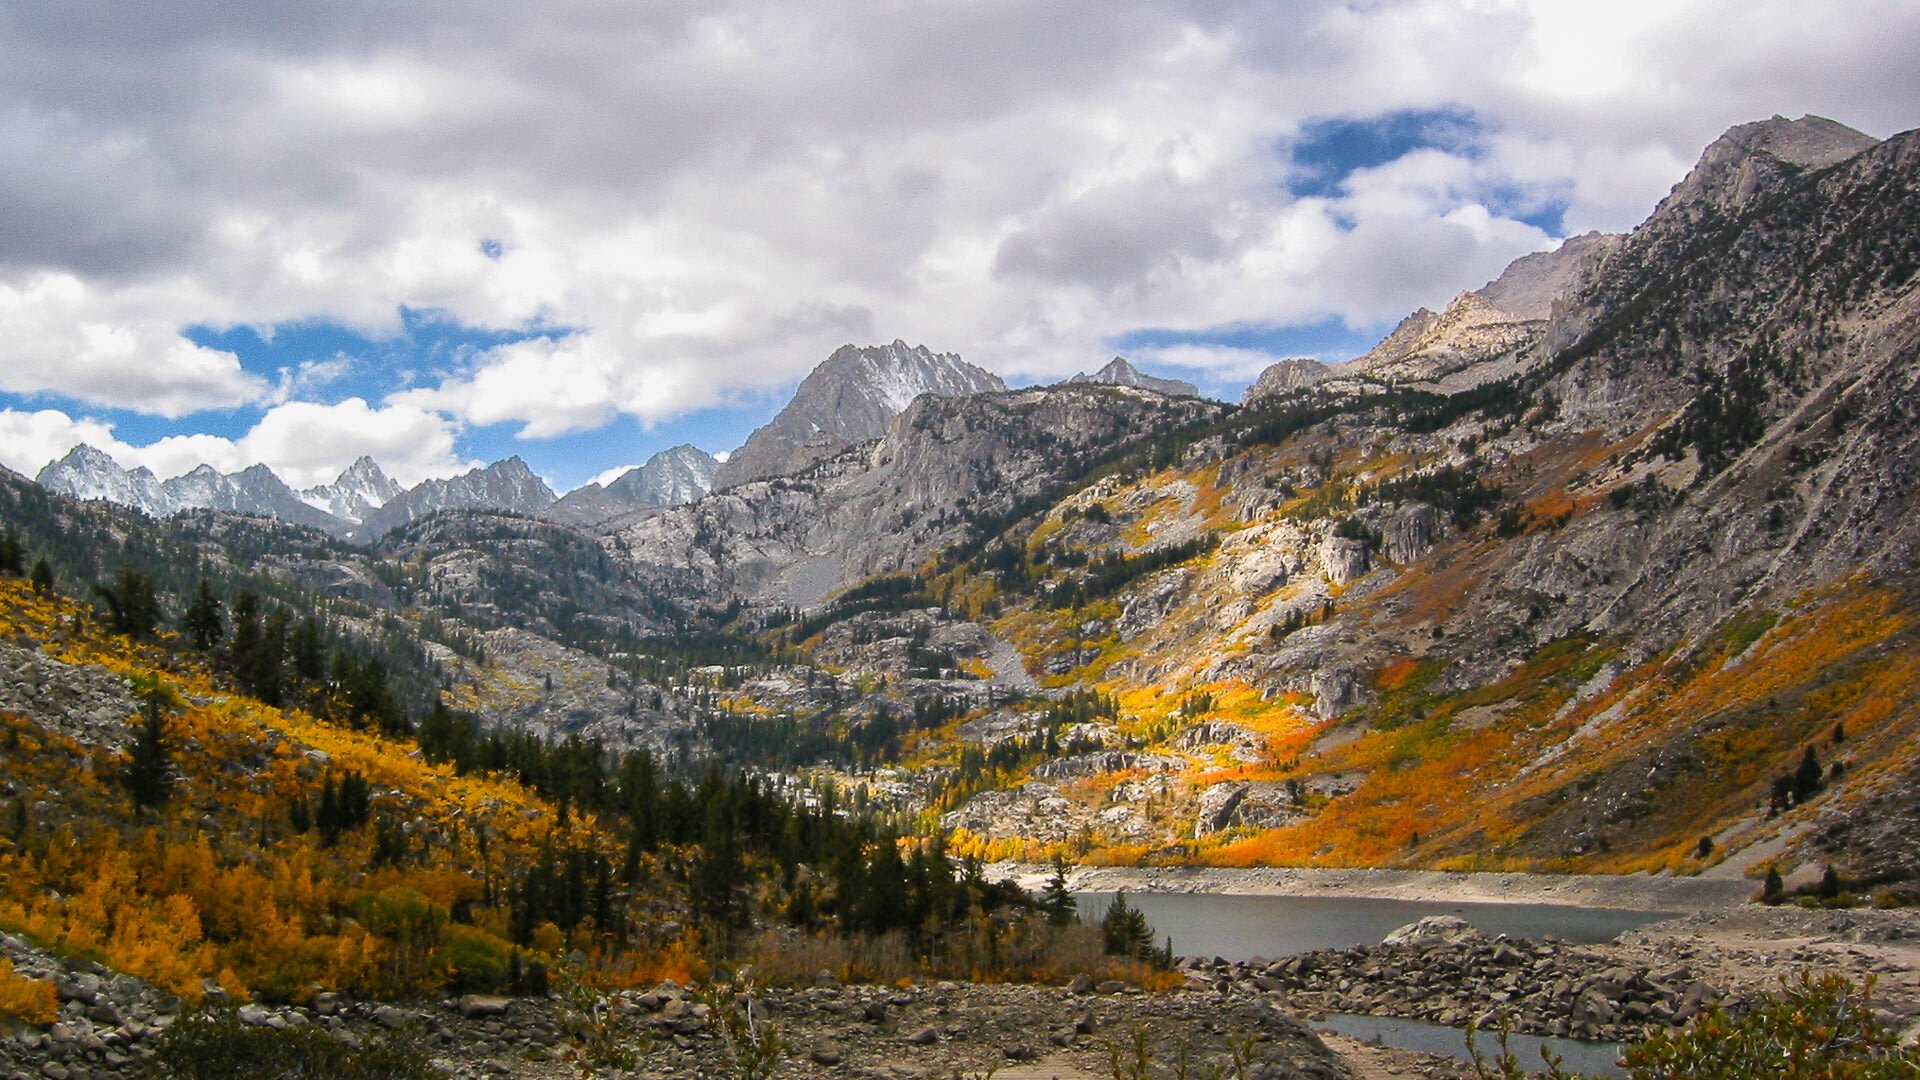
(1243, 927)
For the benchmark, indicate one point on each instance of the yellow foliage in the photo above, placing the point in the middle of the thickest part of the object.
(29, 1001)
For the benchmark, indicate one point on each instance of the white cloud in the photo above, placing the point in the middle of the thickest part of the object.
(114, 347)
(714, 199)
(608, 476)
(303, 443)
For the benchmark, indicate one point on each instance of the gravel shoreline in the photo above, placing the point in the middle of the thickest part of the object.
(1636, 892)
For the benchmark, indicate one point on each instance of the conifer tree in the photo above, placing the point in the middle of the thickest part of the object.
(202, 619)
(12, 555)
(132, 607)
(1056, 900)
(149, 774)
(1806, 778)
(42, 576)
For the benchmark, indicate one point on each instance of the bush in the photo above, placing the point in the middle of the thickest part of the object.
(212, 1044)
(1813, 1029)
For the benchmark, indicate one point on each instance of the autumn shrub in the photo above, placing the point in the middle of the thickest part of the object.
(30, 1001)
(213, 1044)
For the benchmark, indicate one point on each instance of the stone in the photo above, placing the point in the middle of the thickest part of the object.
(477, 1006)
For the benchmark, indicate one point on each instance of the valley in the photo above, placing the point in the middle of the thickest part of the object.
(1600, 583)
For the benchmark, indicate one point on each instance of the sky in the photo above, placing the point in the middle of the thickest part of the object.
(584, 231)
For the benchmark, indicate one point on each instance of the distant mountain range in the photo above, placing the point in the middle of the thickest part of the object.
(850, 398)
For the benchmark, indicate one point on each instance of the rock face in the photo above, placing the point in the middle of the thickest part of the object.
(848, 399)
(1120, 373)
(672, 477)
(504, 485)
(885, 506)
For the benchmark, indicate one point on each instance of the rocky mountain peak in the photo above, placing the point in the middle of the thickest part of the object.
(360, 489)
(1751, 158)
(508, 486)
(673, 477)
(1119, 372)
(1286, 376)
(676, 475)
(849, 398)
(87, 472)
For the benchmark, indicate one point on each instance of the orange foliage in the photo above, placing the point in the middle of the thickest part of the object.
(29, 1001)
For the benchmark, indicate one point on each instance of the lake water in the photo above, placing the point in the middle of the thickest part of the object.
(1243, 927)
(1588, 1058)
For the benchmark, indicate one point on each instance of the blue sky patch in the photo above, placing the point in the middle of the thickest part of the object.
(1329, 339)
(1331, 149)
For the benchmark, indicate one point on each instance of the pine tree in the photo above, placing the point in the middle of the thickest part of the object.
(149, 774)
(1806, 778)
(1126, 930)
(202, 619)
(132, 607)
(12, 555)
(1056, 900)
(42, 576)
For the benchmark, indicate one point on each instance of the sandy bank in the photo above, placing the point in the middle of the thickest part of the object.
(1629, 892)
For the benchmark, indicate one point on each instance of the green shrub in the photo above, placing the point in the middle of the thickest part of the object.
(1814, 1029)
(212, 1044)
(476, 962)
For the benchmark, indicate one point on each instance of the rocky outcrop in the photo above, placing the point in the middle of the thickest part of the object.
(1448, 973)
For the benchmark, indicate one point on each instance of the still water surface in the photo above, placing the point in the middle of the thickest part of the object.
(1243, 927)
(1587, 1058)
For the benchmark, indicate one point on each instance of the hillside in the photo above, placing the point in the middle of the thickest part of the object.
(1574, 598)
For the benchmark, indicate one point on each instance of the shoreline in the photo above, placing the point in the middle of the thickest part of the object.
(1627, 892)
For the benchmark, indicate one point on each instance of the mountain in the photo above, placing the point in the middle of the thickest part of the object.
(88, 473)
(508, 486)
(850, 398)
(672, 477)
(942, 468)
(1120, 373)
(360, 489)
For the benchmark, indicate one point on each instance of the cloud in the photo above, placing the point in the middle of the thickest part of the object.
(112, 347)
(303, 443)
(712, 199)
